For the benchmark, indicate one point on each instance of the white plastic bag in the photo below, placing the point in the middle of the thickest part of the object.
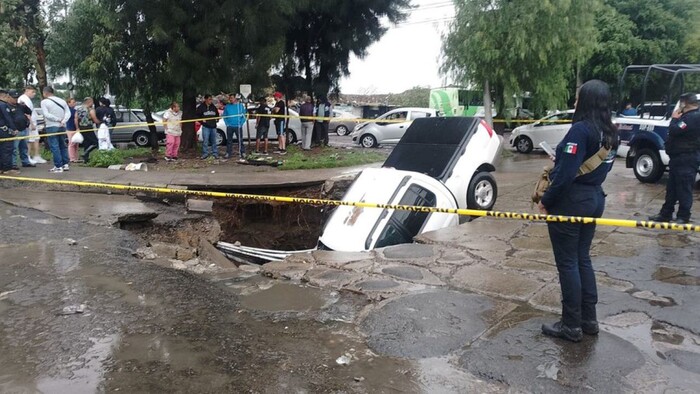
(103, 132)
(103, 139)
(77, 139)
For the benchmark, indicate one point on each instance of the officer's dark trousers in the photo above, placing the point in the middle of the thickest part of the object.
(681, 178)
(6, 148)
(571, 243)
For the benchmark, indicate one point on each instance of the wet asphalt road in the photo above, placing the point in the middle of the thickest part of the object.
(146, 328)
(152, 329)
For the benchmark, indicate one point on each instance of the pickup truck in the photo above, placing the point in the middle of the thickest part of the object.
(643, 137)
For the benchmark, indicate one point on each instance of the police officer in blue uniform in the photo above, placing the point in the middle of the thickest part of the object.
(572, 195)
(7, 130)
(683, 148)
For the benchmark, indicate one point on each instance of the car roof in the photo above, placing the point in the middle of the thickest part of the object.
(412, 109)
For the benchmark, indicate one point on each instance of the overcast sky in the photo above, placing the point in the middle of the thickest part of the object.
(406, 56)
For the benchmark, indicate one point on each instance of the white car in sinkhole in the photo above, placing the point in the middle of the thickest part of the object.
(440, 162)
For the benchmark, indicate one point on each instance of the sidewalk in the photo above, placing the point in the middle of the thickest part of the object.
(213, 177)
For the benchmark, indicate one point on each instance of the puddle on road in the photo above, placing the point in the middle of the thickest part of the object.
(661, 343)
(675, 277)
(284, 297)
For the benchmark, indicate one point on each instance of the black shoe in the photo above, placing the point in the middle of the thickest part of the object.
(28, 165)
(681, 221)
(15, 168)
(559, 330)
(590, 327)
(660, 218)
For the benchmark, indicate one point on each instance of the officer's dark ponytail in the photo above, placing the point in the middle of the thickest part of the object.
(593, 105)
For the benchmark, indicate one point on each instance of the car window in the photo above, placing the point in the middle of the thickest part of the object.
(138, 116)
(553, 119)
(420, 114)
(404, 225)
(121, 116)
(393, 118)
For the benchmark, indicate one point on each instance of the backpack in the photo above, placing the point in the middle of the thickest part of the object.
(20, 119)
(84, 121)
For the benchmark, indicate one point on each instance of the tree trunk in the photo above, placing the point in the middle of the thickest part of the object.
(189, 108)
(40, 52)
(488, 103)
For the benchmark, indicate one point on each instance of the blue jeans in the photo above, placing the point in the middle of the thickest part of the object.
(681, 178)
(571, 243)
(22, 147)
(238, 131)
(209, 139)
(57, 144)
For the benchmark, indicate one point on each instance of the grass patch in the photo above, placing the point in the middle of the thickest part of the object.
(327, 157)
(104, 158)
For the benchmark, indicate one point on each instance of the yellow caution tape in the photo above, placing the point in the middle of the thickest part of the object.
(313, 118)
(321, 202)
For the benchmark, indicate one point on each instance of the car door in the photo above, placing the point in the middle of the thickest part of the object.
(124, 132)
(392, 127)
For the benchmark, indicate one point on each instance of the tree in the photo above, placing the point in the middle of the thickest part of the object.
(415, 97)
(87, 43)
(507, 47)
(27, 19)
(321, 35)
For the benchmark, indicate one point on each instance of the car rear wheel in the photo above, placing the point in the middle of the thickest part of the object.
(368, 141)
(220, 137)
(482, 192)
(341, 130)
(647, 166)
(291, 136)
(141, 139)
(523, 144)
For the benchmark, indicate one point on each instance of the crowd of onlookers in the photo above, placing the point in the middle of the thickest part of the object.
(84, 125)
(89, 126)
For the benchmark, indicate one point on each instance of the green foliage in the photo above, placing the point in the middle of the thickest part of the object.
(643, 32)
(16, 60)
(105, 159)
(528, 45)
(414, 97)
(86, 44)
(297, 159)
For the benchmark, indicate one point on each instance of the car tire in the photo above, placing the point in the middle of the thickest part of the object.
(141, 139)
(342, 130)
(482, 192)
(220, 137)
(368, 141)
(523, 144)
(647, 166)
(291, 136)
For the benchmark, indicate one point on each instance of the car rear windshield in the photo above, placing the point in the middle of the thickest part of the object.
(404, 225)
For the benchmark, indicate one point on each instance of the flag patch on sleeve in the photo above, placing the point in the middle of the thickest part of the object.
(682, 125)
(571, 148)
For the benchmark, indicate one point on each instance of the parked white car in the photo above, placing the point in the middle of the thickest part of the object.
(452, 171)
(389, 127)
(293, 129)
(550, 129)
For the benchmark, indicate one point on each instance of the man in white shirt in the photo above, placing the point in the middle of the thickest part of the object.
(33, 143)
(56, 114)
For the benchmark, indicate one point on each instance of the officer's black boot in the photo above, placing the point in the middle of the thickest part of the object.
(559, 330)
(590, 327)
(660, 218)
